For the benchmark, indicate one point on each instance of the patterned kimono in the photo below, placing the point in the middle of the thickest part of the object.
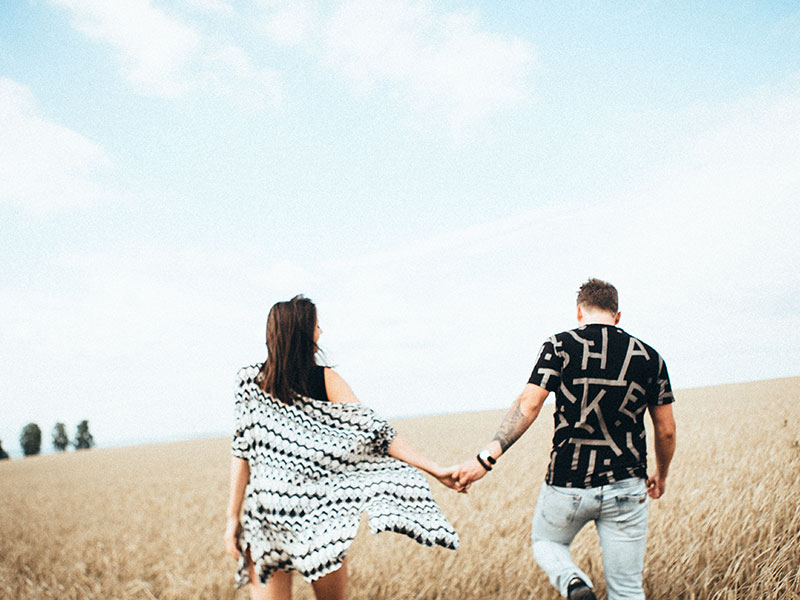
(315, 466)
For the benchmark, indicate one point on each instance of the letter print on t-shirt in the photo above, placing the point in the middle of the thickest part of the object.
(604, 379)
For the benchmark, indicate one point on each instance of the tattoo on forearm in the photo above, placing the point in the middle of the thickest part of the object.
(513, 426)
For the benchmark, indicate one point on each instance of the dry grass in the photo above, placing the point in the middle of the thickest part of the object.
(146, 522)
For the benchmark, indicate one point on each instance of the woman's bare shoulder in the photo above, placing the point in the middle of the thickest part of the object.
(337, 388)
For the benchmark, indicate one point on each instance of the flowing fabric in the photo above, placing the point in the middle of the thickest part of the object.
(315, 466)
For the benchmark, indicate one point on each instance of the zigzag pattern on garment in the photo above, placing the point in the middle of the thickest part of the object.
(315, 466)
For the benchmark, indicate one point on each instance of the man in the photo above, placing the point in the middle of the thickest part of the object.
(604, 379)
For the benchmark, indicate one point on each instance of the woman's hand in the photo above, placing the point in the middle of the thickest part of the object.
(240, 475)
(231, 537)
(446, 475)
(402, 450)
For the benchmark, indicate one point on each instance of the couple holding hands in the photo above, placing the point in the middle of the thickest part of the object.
(308, 458)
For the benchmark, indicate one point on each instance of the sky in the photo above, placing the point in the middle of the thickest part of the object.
(439, 177)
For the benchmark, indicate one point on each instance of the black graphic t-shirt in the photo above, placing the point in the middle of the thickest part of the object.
(604, 379)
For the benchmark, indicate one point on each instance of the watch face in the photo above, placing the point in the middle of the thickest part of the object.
(485, 455)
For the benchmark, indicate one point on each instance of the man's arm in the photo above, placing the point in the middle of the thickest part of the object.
(519, 417)
(664, 443)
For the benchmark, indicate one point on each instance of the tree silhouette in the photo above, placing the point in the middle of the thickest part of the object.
(83, 439)
(3, 453)
(31, 439)
(60, 439)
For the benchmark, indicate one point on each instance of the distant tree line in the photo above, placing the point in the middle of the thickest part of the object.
(30, 440)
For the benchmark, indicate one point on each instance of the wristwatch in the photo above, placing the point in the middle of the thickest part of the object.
(486, 459)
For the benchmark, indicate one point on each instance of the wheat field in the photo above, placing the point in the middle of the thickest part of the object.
(146, 522)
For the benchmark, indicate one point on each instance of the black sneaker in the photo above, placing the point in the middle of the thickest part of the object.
(578, 590)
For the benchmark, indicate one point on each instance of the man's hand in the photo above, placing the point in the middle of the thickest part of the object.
(519, 417)
(664, 443)
(231, 537)
(655, 485)
(468, 472)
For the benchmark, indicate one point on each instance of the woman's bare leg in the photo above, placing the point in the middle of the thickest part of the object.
(332, 586)
(279, 586)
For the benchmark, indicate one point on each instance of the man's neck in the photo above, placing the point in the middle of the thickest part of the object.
(598, 318)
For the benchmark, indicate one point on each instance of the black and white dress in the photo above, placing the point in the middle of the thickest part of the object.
(315, 465)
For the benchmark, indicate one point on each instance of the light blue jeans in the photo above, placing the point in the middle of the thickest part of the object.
(619, 511)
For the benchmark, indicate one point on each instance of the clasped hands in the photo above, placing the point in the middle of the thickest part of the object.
(460, 477)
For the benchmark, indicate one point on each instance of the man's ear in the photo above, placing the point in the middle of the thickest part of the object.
(580, 314)
(616, 319)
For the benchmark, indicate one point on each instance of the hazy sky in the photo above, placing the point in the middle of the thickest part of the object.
(439, 177)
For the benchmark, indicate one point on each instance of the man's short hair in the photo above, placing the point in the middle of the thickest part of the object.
(599, 294)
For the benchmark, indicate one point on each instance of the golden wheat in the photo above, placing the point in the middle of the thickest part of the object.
(146, 522)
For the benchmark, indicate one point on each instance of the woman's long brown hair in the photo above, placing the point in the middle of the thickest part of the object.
(290, 349)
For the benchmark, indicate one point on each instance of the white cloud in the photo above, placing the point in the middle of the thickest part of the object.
(289, 22)
(154, 48)
(126, 337)
(751, 145)
(231, 72)
(164, 57)
(728, 198)
(444, 62)
(709, 239)
(470, 240)
(211, 6)
(44, 165)
(704, 256)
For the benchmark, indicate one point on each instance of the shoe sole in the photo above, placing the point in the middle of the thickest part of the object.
(584, 594)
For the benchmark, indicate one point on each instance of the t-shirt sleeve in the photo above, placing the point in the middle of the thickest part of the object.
(663, 389)
(242, 439)
(547, 370)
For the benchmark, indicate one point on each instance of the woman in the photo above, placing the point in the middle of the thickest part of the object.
(308, 458)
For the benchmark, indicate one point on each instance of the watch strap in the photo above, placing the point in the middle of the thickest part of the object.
(484, 463)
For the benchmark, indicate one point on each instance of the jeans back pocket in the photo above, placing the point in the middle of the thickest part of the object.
(559, 508)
